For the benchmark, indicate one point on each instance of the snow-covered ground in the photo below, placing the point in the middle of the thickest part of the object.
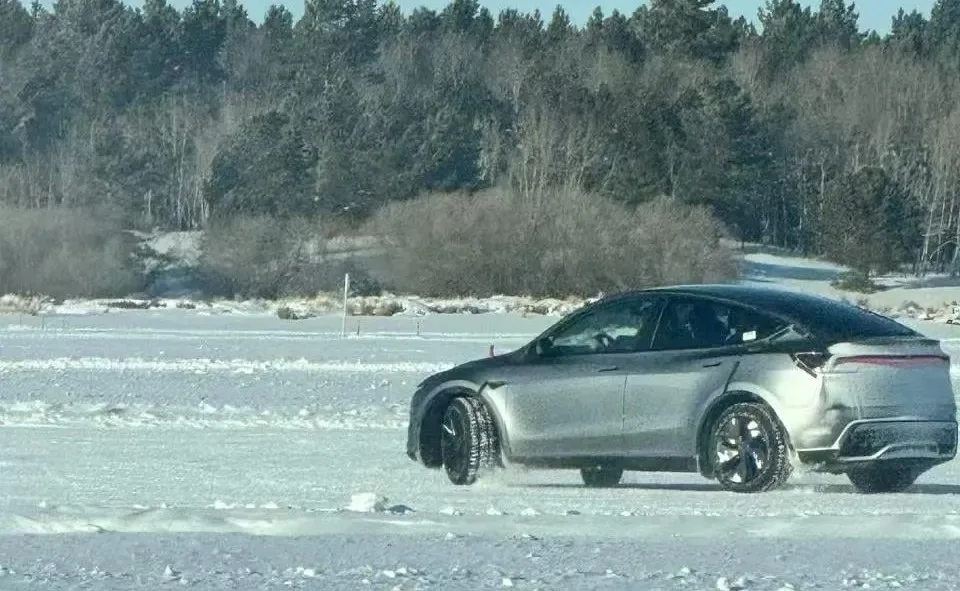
(216, 446)
(147, 449)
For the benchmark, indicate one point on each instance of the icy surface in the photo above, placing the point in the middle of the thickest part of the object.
(153, 449)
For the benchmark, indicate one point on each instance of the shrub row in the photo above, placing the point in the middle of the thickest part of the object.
(562, 243)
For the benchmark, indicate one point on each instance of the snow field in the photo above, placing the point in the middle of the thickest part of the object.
(231, 452)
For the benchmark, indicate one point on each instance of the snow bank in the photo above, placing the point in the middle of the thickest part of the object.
(302, 308)
(16, 304)
(392, 304)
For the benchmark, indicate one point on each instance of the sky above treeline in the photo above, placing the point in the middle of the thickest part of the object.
(874, 14)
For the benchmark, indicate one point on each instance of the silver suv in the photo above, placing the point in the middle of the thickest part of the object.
(737, 383)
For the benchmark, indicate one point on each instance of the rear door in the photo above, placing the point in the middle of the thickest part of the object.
(697, 348)
(568, 399)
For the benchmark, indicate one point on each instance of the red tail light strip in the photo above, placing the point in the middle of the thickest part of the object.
(897, 361)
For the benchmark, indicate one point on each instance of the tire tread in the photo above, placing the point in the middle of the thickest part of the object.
(481, 434)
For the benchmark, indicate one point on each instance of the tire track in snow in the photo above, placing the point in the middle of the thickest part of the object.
(184, 365)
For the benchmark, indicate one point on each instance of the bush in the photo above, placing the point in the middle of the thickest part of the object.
(63, 252)
(264, 257)
(568, 242)
(855, 281)
(252, 256)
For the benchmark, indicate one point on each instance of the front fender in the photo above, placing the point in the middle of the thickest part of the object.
(427, 408)
(494, 395)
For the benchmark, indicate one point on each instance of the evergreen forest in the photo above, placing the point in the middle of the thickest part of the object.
(504, 152)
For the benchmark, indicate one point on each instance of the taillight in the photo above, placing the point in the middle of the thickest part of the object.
(810, 362)
(895, 360)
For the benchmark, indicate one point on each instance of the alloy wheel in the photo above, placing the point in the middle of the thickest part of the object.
(742, 449)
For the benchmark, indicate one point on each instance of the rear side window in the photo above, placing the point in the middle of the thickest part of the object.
(826, 318)
(705, 324)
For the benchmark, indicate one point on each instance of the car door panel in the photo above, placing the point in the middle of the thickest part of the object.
(662, 398)
(568, 399)
(571, 406)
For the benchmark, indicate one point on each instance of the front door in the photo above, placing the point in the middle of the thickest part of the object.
(567, 401)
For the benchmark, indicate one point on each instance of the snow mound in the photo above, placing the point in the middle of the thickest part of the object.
(392, 305)
(16, 304)
(367, 502)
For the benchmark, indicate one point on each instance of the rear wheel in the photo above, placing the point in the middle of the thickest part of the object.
(749, 449)
(601, 476)
(468, 444)
(882, 479)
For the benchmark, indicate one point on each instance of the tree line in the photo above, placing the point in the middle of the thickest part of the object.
(800, 130)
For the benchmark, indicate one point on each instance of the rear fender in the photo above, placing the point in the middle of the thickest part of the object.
(735, 392)
(795, 396)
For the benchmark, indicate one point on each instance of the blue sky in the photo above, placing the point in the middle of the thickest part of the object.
(877, 16)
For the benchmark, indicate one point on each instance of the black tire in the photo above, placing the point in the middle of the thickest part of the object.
(883, 479)
(748, 449)
(601, 476)
(468, 442)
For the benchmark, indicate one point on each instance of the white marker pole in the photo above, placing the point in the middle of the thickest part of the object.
(346, 294)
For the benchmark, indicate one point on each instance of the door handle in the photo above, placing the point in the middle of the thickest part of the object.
(713, 364)
(612, 368)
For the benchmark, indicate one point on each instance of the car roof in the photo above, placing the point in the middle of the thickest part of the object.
(827, 317)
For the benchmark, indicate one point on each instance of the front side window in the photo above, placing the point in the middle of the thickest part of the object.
(705, 324)
(624, 326)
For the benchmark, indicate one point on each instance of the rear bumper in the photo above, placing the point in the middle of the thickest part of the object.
(878, 440)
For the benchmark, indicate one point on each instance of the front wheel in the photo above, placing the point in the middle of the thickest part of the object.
(749, 449)
(882, 479)
(468, 443)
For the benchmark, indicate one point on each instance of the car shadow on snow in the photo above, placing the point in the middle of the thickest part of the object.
(669, 486)
(917, 489)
